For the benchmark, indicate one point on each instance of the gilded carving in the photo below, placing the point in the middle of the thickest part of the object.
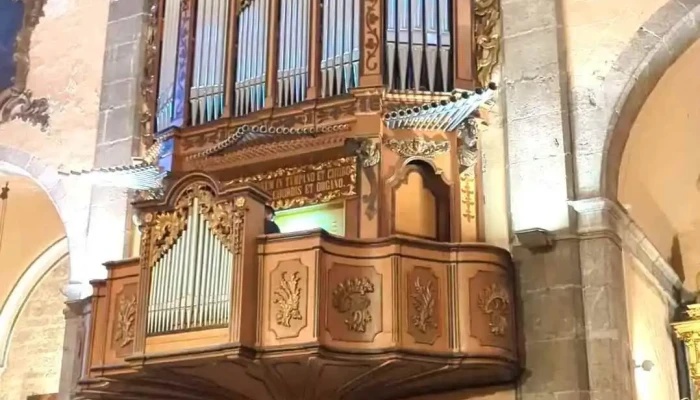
(369, 153)
(126, 320)
(350, 299)
(17, 102)
(243, 4)
(148, 83)
(372, 26)
(300, 197)
(423, 301)
(287, 297)
(166, 229)
(487, 32)
(418, 147)
(494, 301)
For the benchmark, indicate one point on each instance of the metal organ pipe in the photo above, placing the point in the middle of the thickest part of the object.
(191, 282)
(166, 85)
(418, 44)
(207, 91)
(251, 62)
(292, 70)
(340, 53)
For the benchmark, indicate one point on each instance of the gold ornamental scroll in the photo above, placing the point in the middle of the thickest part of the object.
(308, 184)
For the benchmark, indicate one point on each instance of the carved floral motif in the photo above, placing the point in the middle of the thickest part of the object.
(418, 147)
(372, 26)
(423, 301)
(350, 299)
(287, 297)
(126, 320)
(148, 83)
(494, 301)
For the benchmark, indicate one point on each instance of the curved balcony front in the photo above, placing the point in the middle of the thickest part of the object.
(308, 315)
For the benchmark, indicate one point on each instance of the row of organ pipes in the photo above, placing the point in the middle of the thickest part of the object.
(191, 282)
(418, 52)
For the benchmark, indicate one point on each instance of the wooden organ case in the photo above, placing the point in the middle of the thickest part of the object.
(364, 115)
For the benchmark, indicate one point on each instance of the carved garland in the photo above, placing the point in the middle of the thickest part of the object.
(487, 37)
(148, 83)
(350, 298)
(17, 102)
(494, 301)
(418, 147)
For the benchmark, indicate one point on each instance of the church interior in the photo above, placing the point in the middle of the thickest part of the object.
(345, 199)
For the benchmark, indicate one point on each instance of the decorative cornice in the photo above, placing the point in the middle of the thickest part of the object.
(604, 217)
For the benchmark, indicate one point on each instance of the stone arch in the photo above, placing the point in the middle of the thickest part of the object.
(66, 205)
(655, 47)
(12, 307)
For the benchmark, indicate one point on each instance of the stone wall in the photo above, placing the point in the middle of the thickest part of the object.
(36, 346)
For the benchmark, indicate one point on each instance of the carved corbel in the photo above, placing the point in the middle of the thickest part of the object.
(369, 155)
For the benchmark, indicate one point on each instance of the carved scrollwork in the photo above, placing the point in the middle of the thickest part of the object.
(126, 321)
(372, 26)
(19, 104)
(423, 299)
(350, 299)
(494, 301)
(287, 297)
(148, 82)
(166, 229)
(487, 38)
(418, 147)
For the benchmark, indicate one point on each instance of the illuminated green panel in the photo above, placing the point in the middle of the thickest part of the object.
(330, 217)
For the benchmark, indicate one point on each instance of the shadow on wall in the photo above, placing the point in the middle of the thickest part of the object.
(676, 259)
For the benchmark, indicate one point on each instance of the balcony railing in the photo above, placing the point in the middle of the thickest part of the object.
(220, 58)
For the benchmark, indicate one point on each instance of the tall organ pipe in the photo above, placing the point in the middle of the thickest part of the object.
(418, 44)
(207, 91)
(190, 282)
(340, 41)
(166, 85)
(292, 69)
(251, 63)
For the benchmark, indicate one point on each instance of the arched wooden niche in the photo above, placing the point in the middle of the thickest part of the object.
(421, 203)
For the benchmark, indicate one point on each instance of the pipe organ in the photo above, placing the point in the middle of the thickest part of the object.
(207, 90)
(340, 62)
(166, 85)
(418, 44)
(251, 60)
(191, 281)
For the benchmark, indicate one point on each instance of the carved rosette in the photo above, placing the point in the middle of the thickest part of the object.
(418, 147)
(494, 301)
(350, 299)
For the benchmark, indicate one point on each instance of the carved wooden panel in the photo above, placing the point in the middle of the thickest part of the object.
(491, 309)
(354, 312)
(124, 320)
(289, 284)
(424, 307)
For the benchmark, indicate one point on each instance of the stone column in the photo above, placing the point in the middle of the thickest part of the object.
(118, 139)
(119, 128)
(573, 311)
(77, 315)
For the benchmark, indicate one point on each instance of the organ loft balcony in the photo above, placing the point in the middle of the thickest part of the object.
(358, 123)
